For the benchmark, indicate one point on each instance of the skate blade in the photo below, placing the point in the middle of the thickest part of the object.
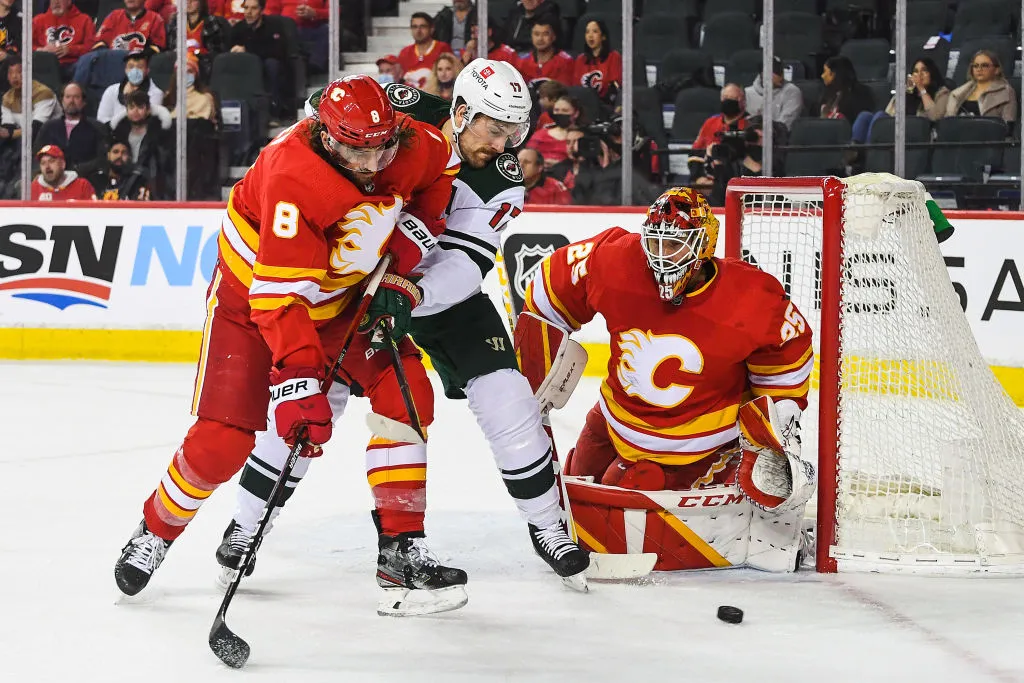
(226, 577)
(577, 582)
(611, 566)
(405, 602)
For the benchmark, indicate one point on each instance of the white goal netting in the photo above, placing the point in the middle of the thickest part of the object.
(929, 457)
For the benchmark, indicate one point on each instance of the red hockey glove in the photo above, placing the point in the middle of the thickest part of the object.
(395, 298)
(297, 402)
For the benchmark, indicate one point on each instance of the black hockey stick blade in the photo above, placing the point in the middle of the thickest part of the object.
(227, 645)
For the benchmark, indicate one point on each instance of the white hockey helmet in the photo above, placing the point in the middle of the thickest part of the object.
(497, 89)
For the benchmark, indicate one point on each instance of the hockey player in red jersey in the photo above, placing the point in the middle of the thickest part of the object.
(303, 228)
(676, 458)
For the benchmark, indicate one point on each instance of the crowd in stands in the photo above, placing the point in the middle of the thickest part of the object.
(698, 94)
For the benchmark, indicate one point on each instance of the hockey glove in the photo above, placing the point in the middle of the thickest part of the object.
(297, 402)
(395, 298)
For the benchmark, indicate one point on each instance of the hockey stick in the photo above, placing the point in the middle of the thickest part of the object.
(403, 384)
(392, 430)
(228, 646)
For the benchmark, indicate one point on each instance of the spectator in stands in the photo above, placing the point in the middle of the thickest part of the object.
(44, 105)
(986, 92)
(418, 59)
(206, 34)
(10, 37)
(117, 178)
(142, 127)
(310, 17)
(567, 170)
(452, 24)
(65, 32)
(133, 28)
(166, 9)
(742, 155)
(82, 139)
(441, 81)
(56, 184)
(548, 92)
(599, 67)
(926, 96)
(136, 78)
(540, 187)
(845, 97)
(495, 48)
(228, 9)
(599, 181)
(521, 19)
(550, 140)
(546, 61)
(787, 100)
(733, 118)
(389, 70)
(202, 153)
(262, 35)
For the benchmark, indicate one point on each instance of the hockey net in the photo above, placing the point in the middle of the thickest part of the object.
(920, 451)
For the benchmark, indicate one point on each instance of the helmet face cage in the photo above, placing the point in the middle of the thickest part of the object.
(678, 235)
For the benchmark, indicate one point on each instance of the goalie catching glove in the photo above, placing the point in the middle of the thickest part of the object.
(550, 361)
(395, 298)
(772, 475)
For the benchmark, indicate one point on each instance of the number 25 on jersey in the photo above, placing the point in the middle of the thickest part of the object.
(577, 255)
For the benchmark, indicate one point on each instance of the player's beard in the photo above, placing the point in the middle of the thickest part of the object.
(479, 156)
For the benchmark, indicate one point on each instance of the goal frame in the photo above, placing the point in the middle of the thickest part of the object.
(829, 190)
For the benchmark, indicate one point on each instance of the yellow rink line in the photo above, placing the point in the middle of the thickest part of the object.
(181, 346)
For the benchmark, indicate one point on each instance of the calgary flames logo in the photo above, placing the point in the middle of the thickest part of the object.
(364, 232)
(131, 42)
(592, 79)
(642, 354)
(60, 35)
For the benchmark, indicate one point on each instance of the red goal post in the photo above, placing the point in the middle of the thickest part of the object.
(919, 451)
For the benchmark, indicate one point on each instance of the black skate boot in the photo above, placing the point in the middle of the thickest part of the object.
(140, 557)
(413, 581)
(568, 560)
(229, 554)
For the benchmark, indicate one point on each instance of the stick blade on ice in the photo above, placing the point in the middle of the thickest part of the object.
(611, 566)
(392, 430)
(228, 647)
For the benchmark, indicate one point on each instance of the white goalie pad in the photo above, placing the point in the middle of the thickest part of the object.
(772, 475)
(566, 370)
(551, 361)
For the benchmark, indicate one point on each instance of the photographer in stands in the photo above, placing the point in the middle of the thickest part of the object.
(599, 181)
(739, 153)
(732, 119)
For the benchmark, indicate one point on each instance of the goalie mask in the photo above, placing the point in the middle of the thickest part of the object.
(678, 236)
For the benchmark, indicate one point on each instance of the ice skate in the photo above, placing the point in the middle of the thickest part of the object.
(412, 580)
(568, 560)
(140, 557)
(229, 554)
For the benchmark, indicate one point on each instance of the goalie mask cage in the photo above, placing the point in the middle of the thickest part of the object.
(920, 451)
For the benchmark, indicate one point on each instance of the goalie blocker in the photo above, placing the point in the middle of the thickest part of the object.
(753, 518)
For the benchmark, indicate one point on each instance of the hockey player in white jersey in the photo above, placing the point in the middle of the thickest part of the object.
(460, 329)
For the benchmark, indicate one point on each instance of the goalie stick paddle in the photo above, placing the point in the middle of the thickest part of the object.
(229, 647)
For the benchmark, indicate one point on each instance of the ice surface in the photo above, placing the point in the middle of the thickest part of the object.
(81, 446)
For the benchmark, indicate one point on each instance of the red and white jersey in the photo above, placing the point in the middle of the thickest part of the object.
(676, 374)
(559, 68)
(120, 31)
(71, 188)
(417, 66)
(298, 235)
(599, 75)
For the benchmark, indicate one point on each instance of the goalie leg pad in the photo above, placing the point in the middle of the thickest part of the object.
(771, 474)
(550, 361)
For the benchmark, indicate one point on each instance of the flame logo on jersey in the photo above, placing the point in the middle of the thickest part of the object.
(641, 355)
(364, 232)
(592, 79)
(4, 36)
(131, 42)
(60, 35)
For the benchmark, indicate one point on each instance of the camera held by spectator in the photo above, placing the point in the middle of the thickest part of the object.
(740, 153)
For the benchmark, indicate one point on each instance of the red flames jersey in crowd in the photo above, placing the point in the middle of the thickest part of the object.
(121, 32)
(229, 9)
(416, 66)
(677, 374)
(557, 68)
(74, 29)
(72, 188)
(299, 235)
(598, 75)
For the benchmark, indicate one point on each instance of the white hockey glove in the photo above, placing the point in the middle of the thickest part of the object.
(772, 475)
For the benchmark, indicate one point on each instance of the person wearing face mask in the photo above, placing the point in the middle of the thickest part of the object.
(389, 70)
(551, 140)
(441, 81)
(732, 118)
(117, 178)
(136, 77)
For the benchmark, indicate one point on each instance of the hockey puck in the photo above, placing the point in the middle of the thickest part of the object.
(730, 614)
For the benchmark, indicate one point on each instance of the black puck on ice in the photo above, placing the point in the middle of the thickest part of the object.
(730, 614)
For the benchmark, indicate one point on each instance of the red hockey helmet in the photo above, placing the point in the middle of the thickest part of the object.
(360, 123)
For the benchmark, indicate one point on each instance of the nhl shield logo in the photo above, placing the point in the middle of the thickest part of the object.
(522, 255)
(402, 95)
(528, 260)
